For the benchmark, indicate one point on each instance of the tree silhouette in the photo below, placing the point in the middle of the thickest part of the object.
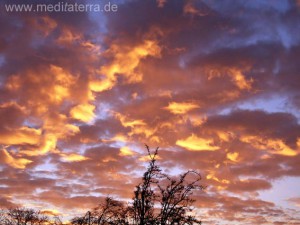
(109, 212)
(158, 200)
(23, 216)
(176, 201)
(144, 194)
(173, 195)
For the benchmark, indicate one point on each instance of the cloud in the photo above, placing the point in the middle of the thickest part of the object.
(83, 112)
(181, 107)
(125, 62)
(81, 93)
(233, 156)
(295, 201)
(19, 163)
(72, 157)
(195, 143)
(6, 203)
(51, 212)
(125, 151)
(249, 185)
(273, 145)
(23, 135)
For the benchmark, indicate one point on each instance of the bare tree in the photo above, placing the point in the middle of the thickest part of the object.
(22, 216)
(158, 200)
(176, 199)
(144, 194)
(79, 220)
(174, 196)
(110, 212)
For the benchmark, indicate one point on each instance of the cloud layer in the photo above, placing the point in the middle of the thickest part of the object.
(215, 84)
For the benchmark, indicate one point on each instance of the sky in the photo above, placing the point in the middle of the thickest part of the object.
(214, 84)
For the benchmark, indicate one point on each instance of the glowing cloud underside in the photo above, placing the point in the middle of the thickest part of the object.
(194, 143)
(83, 112)
(18, 163)
(181, 107)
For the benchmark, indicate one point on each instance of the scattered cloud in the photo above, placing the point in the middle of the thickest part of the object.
(181, 108)
(80, 95)
(195, 143)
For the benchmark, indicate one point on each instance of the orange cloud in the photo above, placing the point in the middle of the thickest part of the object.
(237, 76)
(147, 158)
(51, 212)
(212, 176)
(233, 156)
(101, 85)
(63, 84)
(130, 123)
(181, 107)
(53, 129)
(275, 146)
(72, 157)
(67, 37)
(126, 151)
(125, 63)
(23, 135)
(138, 127)
(127, 122)
(18, 163)
(239, 79)
(195, 143)
(83, 112)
